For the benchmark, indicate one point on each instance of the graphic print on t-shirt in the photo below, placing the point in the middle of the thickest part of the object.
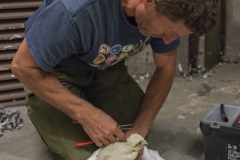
(100, 58)
(143, 47)
(104, 49)
(127, 48)
(146, 39)
(138, 46)
(108, 56)
(122, 56)
(110, 59)
(116, 49)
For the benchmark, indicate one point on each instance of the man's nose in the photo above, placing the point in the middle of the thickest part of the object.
(168, 38)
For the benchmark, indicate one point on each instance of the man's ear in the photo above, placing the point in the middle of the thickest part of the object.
(149, 1)
(150, 4)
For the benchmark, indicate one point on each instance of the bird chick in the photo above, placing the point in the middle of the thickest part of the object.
(123, 150)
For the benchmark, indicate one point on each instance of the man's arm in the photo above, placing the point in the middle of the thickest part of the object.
(101, 128)
(156, 93)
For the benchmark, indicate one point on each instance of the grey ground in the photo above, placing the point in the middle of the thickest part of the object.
(175, 132)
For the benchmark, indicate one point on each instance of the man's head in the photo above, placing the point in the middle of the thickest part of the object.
(199, 16)
(169, 19)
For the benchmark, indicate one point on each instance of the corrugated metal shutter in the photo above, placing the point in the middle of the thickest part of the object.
(13, 13)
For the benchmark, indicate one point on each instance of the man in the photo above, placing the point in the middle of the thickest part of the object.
(72, 64)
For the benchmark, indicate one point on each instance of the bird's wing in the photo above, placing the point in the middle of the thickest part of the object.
(114, 151)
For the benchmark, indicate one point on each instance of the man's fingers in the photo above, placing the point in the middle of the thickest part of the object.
(99, 143)
(102, 142)
(105, 142)
(140, 153)
(113, 139)
(120, 135)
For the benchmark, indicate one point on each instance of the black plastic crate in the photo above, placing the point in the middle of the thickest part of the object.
(221, 139)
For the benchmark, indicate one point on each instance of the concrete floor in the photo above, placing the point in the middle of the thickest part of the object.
(175, 132)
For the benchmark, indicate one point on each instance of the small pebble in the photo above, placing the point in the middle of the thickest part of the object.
(181, 117)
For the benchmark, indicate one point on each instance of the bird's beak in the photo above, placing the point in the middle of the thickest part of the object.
(145, 143)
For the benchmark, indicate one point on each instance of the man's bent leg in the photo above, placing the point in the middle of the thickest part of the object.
(116, 93)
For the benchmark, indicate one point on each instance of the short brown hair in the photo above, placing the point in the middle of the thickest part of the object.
(199, 16)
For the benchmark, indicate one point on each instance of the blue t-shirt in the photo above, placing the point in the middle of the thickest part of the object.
(92, 34)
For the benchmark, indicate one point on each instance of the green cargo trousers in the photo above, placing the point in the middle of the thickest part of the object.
(111, 90)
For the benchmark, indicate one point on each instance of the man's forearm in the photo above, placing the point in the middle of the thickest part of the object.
(44, 84)
(156, 93)
(47, 87)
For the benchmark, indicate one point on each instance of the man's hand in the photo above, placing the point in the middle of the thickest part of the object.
(99, 126)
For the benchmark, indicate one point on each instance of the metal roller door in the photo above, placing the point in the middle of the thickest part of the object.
(13, 14)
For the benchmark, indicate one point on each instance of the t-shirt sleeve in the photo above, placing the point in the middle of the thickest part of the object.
(158, 45)
(51, 36)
